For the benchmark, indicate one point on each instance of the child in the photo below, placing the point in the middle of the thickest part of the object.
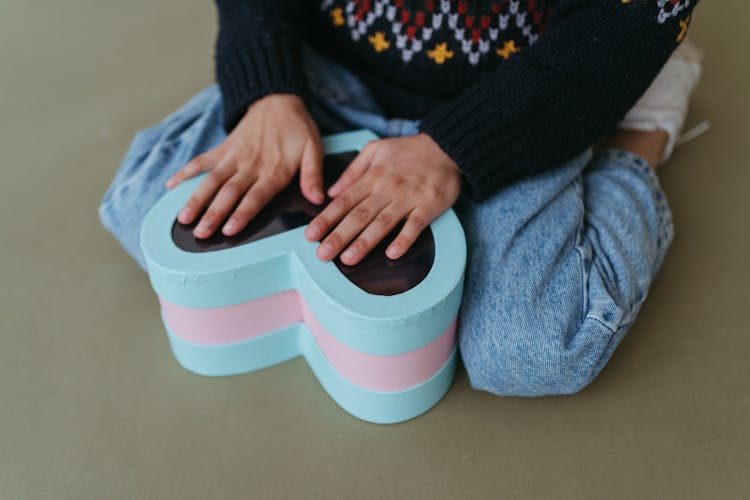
(490, 107)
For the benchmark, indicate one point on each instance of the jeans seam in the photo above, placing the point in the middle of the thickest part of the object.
(610, 329)
(580, 249)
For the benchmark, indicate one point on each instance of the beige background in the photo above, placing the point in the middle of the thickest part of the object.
(92, 404)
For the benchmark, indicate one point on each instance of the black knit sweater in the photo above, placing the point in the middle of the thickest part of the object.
(507, 88)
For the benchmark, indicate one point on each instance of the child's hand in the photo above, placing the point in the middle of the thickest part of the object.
(390, 180)
(256, 161)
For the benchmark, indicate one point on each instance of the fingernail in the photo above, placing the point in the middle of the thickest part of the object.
(318, 195)
(325, 250)
(203, 227)
(333, 190)
(393, 251)
(184, 214)
(230, 226)
(350, 254)
(312, 233)
(169, 183)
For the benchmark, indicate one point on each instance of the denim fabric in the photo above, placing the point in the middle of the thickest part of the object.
(558, 263)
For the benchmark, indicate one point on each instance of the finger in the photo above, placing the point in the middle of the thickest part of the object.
(223, 203)
(254, 200)
(417, 221)
(311, 172)
(203, 193)
(352, 224)
(354, 171)
(373, 234)
(199, 164)
(335, 211)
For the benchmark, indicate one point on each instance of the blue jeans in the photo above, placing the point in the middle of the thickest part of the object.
(558, 263)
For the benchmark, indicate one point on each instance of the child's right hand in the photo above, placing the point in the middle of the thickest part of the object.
(257, 160)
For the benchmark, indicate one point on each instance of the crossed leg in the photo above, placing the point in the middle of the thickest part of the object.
(558, 267)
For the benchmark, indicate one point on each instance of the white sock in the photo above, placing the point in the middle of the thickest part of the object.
(664, 105)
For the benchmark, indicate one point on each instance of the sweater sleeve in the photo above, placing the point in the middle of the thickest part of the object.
(557, 97)
(257, 53)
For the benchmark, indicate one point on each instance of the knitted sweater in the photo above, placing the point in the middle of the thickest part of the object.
(506, 88)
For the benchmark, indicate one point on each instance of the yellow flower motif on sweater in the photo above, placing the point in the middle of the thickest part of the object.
(683, 28)
(440, 53)
(337, 16)
(378, 41)
(509, 47)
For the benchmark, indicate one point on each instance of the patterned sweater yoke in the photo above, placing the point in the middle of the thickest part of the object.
(471, 33)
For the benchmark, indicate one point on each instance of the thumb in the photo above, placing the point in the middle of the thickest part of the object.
(311, 171)
(200, 163)
(354, 171)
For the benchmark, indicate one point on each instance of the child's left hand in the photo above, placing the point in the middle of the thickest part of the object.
(390, 180)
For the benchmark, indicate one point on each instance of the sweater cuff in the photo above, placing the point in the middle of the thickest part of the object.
(248, 72)
(455, 125)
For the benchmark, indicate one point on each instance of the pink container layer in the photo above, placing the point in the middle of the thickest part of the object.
(263, 316)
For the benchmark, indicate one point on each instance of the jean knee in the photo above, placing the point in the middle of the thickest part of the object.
(122, 221)
(106, 216)
(533, 356)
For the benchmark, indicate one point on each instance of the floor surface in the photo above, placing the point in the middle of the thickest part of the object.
(92, 404)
